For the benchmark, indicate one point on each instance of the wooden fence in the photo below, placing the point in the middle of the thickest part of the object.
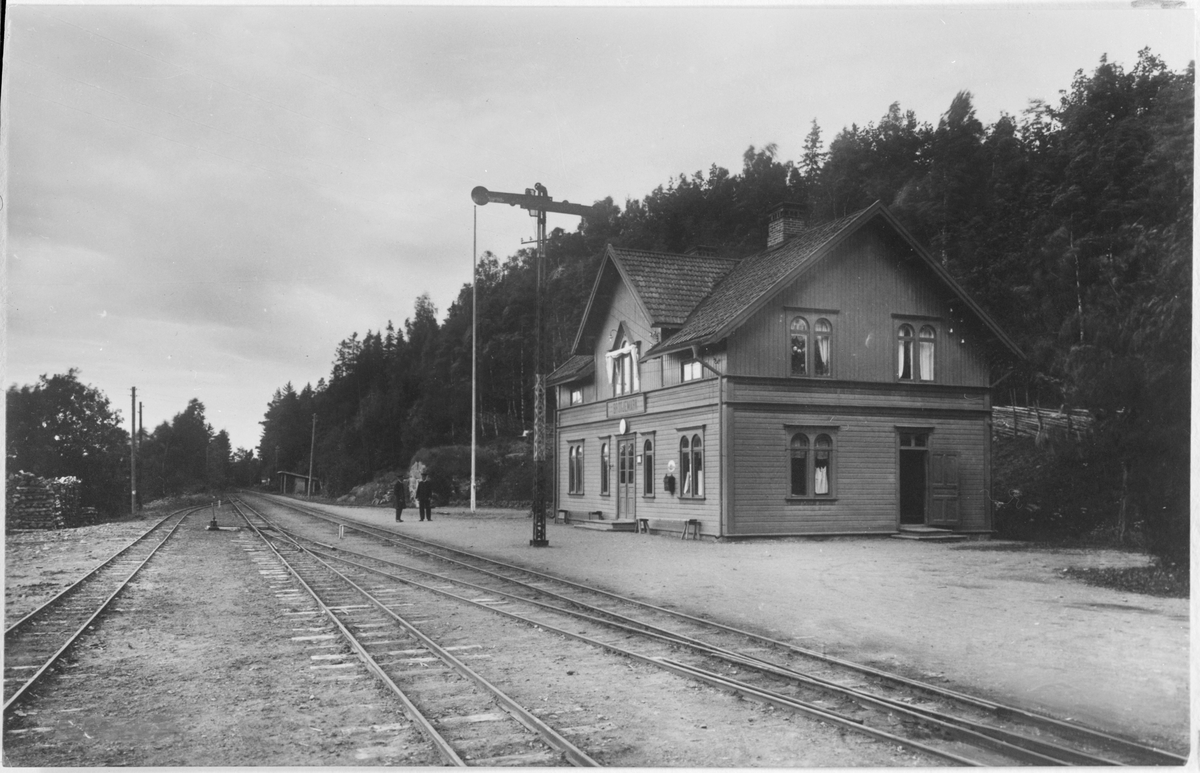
(1036, 422)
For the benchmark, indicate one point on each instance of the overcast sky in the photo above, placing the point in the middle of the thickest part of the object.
(203, 201)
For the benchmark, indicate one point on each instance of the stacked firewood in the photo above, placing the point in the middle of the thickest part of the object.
(36, 503)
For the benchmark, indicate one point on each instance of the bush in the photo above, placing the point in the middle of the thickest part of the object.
(503, 472)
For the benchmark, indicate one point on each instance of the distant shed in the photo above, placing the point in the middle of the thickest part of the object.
(295, 483)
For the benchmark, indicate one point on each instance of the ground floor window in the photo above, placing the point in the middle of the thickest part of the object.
(811, 461)
(575, 468)
(648, 468)
(604, 469)
(691, 465)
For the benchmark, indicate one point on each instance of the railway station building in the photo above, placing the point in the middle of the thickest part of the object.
(838, 382)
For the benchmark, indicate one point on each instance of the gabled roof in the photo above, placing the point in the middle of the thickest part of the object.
(576, 368)
(666, 285)
(757, 279)
(670, 285)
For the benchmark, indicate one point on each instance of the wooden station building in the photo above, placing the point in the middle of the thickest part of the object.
(836, 383)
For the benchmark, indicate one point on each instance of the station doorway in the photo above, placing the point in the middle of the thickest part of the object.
(914, 477)
(626, 478)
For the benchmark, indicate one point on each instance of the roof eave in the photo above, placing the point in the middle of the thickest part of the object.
(587, 310)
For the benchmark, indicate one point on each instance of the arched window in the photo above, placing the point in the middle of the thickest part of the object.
(822, 333)
(604, 468)
(698, 465)
(822, 465)
(685, 466)
(575, 469)
(811, 466)
(799, 336)
(799, 455)
(691, 466)
(648, 468)
(904, 365)
(925, 352)
(622, 368)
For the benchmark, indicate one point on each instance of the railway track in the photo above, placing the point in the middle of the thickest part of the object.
(36, 643)
(958, 728)
(467, 719)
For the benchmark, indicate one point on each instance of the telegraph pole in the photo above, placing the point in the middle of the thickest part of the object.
(133, 452)
(537, 200)
(312, 449)
(141, 429)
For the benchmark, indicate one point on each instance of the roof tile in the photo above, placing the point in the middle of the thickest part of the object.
(671, 285)
(752, 277)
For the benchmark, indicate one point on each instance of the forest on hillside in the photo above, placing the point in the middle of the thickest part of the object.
(1070, 223)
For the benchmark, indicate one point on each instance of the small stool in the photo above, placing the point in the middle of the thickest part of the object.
(643, 526)
(691, 525)
(562, 516)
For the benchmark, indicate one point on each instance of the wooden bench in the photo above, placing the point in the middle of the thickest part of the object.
(689, 526)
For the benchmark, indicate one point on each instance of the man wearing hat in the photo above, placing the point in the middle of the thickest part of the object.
(424, 492)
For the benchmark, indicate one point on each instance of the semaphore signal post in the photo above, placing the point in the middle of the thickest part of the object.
(538, 202)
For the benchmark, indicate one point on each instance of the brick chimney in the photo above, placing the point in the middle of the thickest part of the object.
(785, 221)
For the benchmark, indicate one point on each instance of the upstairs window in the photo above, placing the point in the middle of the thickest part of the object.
(799, 336)
(925, 352)
(915, 354)
(692, 370)
(811, 347)
(904, 365)
(822, 333)
(622, 369)
(577, 396)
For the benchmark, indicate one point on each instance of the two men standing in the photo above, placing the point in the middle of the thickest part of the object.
(423, 494)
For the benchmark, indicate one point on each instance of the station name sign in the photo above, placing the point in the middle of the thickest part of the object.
(627, 406)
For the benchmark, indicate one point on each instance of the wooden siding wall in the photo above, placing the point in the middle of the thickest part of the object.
(862, 285)
(670, 414)
(866, 471)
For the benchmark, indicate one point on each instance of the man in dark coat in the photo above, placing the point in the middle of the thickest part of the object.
(401, 492)
(424, 492)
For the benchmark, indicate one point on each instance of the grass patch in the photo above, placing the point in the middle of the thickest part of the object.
(1146, 580)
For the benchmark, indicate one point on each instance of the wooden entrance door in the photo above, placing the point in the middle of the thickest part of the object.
(626, 478)
(943, 489)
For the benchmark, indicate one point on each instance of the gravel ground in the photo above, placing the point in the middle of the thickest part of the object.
(991, 618)
(169, 681)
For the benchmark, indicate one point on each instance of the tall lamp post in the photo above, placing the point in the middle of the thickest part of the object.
(538, 202)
